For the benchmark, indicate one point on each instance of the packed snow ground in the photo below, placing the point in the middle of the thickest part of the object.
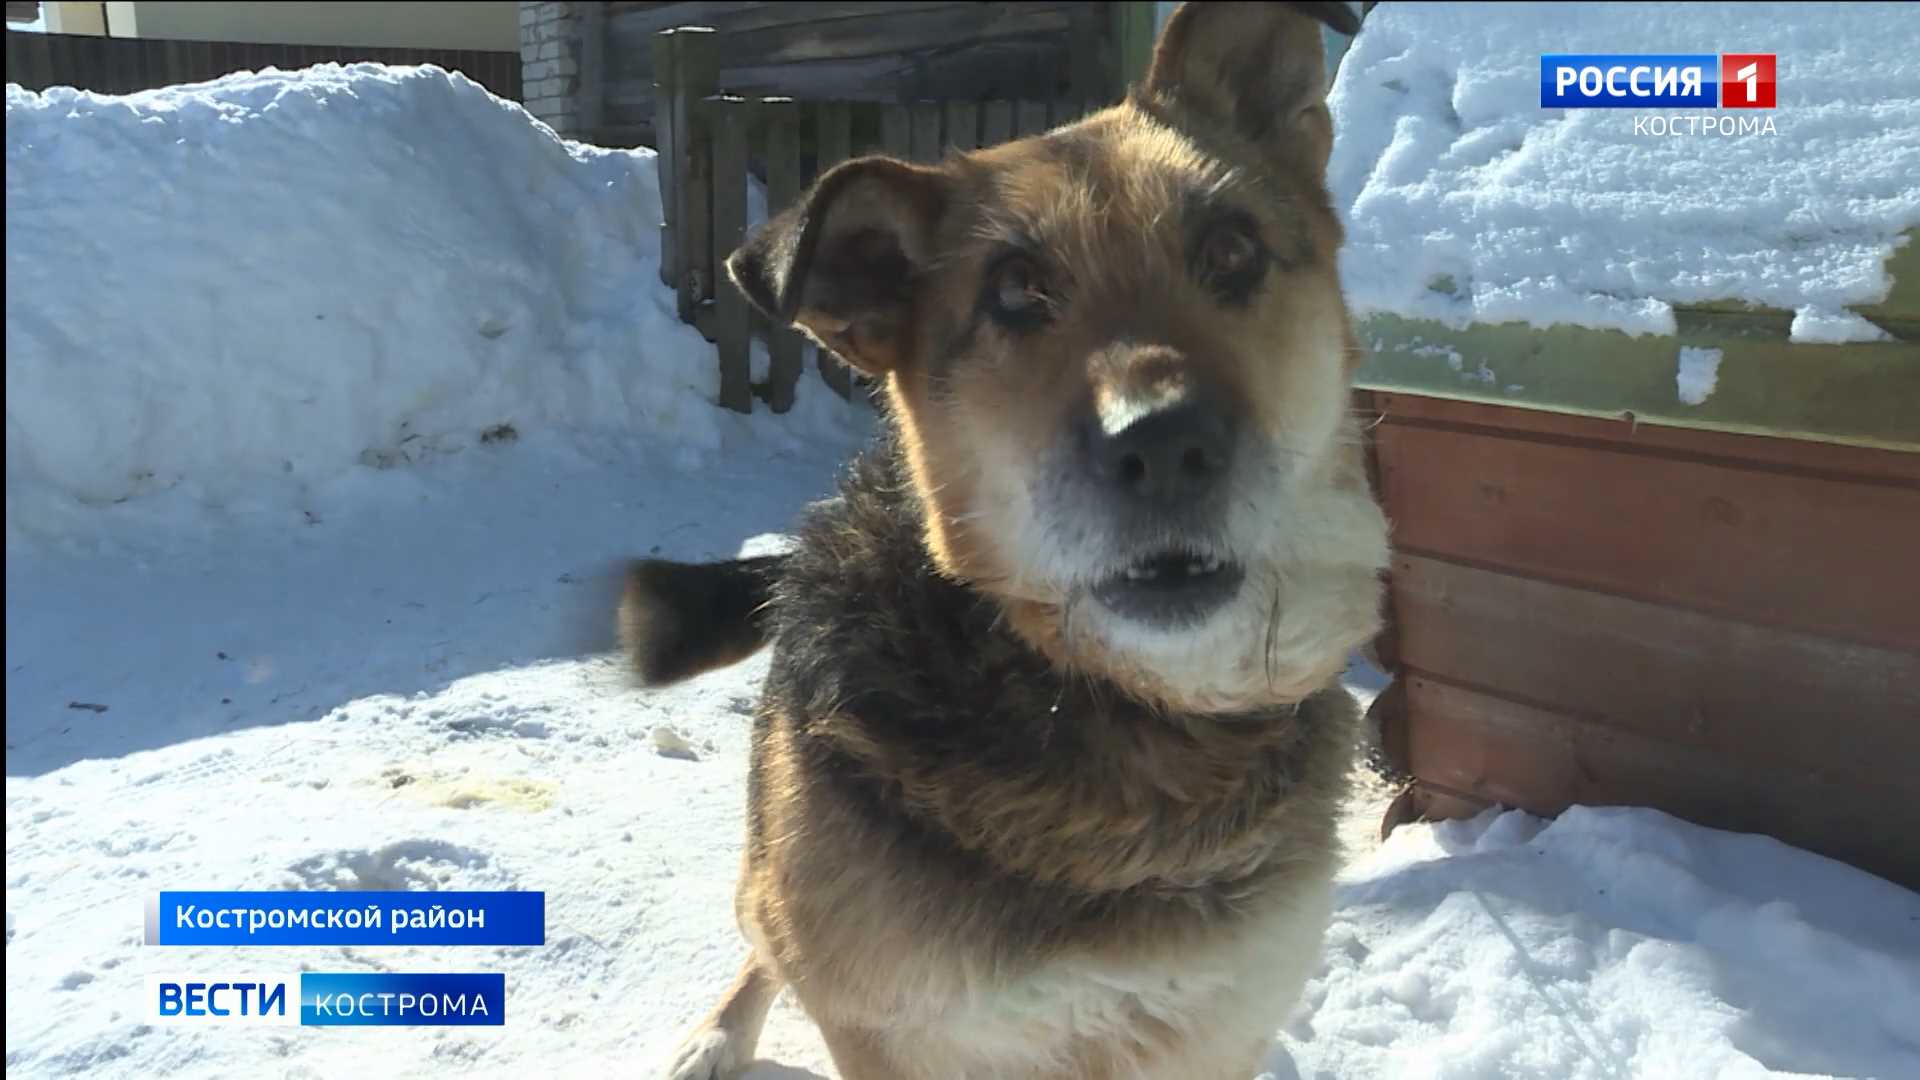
(279, 617)
(1467, 202)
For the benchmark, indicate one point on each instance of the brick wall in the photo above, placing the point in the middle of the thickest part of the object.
(550, 63)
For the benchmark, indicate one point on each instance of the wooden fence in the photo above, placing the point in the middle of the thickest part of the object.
(710, 144)
(1599, 611)
(890, 52)
(125, 65)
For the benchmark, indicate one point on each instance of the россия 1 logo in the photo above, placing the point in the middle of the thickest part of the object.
(1628, 81)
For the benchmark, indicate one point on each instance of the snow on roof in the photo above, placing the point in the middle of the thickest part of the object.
(1467, 202)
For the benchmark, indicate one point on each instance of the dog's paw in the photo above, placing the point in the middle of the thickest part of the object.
(708, 1054)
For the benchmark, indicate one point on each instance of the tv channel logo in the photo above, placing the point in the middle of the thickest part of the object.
(322, 999)
(222, 999)
(1632, 81)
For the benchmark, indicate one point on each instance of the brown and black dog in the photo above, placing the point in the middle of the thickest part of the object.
(1046, 771)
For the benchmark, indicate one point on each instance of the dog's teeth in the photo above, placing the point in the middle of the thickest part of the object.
(1141, 573)
(1212, 565)
(1193, 568)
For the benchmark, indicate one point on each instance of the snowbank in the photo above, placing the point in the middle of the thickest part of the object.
(1609, 944)
(1465, 201)
(244, 288)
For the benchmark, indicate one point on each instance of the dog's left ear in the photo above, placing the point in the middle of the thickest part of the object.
(1256, 69)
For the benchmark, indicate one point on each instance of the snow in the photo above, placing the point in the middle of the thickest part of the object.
(1699, 373)
(1467, 202)
(1821, 326)
(403, 291)
(257, 637)
(1610, 943)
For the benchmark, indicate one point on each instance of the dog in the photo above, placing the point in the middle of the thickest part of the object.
(1046, 770)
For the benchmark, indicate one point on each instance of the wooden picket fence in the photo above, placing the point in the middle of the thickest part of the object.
(710, 143)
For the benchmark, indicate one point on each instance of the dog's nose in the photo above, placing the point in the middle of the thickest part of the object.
(1169, 456)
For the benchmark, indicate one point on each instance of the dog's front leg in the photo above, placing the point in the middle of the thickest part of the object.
(722, 1046)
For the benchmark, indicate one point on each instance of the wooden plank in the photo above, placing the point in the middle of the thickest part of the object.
(1010, 69)
(867, 128)
(40, 62)
(924, 140)
(1760, 544)
(1625, 433)
(627, 136)
(996, 122)
(732, 130)
(892, 33)
(1030, 118)
(130, 67)
(1425, 801)
(173, 63)
(669, 135)
(871, 80)
(17, 60)
(729, 17)
(1774, 699)
(695, 69)
(833, 135)
(896, 131)
(781, 120)
(95, 66)
(833, 141)
(962, 130)
(1087, 46)
(1132, 26)
(1545, 761)
(591, 94)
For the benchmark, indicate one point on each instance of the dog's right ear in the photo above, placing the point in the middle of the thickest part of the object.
(842, 263)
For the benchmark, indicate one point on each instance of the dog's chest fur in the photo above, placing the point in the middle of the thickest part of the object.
(956, 842)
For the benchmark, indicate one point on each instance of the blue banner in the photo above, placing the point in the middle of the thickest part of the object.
(380, 999)
(347, 918)
(1629, 81)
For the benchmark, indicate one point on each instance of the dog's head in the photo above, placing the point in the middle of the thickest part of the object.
(1118, 359)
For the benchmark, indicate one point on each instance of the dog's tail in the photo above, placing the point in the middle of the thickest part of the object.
(678, 620)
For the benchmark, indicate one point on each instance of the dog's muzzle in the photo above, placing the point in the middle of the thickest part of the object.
(1161, 476)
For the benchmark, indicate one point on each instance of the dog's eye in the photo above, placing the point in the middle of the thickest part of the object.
(1231, 259)
(1015, 293)
(1228, 250)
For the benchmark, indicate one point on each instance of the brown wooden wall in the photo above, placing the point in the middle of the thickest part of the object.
(125, 65)
(1725, 627)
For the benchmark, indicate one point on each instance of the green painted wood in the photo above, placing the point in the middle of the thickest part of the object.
(1866, 394)
(1902, 304)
